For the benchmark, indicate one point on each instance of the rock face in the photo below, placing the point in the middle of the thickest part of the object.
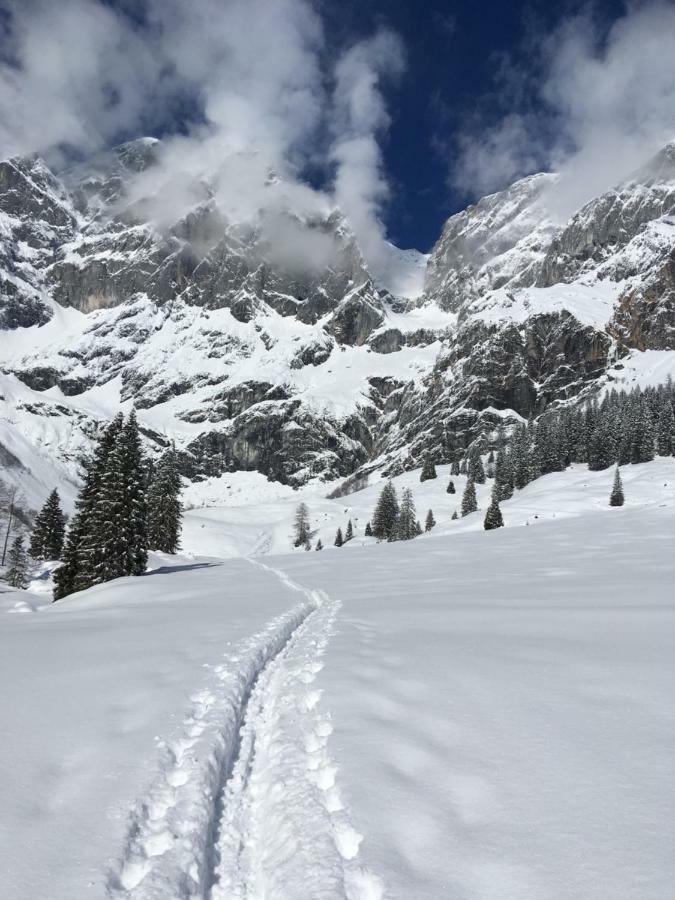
(252, 355)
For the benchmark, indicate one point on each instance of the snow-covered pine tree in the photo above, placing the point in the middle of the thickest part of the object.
(504, 474)
(386, 512)
(319, 545)
(454, 468)
(520, 455)
(164, 506)
(493, 516)
(475, 470)
(73, 570)
(665, 429)
(369, 530)
(451, 487)
(418, 528)
(616, 498)
(463, 466)
(339, 540)
(428, 469)
(429, 522)
(135, 471)
(49, 530)
(119, 540)
(406, 527)
(454, 515)
(17, 570)
(469, 502)
(301, 525)
(349, 533)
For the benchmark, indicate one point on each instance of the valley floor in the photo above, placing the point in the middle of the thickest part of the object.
(467, 715)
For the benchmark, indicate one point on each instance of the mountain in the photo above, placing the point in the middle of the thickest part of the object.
(272, 345)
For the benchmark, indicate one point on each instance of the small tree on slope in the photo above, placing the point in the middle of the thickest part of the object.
(49, 530)
(301, 525)
(451, 487)
(164, 506)
(429, 522)
(428, 469)
(406, 528)
(18, 564)
(386, 513)
(349, 533)
(493, 516)
(469, 502)
(339, 540)
(616, 497)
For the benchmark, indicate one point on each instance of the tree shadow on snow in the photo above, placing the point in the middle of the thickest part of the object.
(166, 570)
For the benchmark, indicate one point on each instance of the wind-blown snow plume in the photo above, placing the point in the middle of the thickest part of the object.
(360, 116)
(603, 102)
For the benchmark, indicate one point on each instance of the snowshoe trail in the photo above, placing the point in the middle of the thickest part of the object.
(245, 805)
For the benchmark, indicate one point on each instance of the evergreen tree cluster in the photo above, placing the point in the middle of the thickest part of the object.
(394, 521)
(623, 428)
(121, 512)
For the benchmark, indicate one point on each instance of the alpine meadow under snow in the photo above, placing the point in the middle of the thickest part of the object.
(332, 570)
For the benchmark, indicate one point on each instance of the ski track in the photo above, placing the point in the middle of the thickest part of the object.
(244, 805)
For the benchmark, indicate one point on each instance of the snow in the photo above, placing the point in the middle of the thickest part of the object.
(591, 301)
(641, 369)
(401, 272)
(469, 714)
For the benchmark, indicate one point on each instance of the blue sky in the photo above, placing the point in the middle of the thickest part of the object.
(454, 50)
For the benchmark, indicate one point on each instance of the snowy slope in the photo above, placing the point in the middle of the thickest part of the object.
(470, 714)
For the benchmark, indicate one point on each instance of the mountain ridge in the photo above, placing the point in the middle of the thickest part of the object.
(270, 346)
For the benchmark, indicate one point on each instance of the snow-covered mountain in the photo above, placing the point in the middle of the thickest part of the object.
(270, 345)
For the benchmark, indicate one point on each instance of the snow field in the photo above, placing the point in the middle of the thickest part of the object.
(498, 706)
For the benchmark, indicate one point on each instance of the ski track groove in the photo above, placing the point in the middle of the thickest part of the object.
(244, 805)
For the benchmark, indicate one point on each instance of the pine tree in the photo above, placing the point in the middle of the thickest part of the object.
(118, 542)
(454, 515)
(469, 502)
(164, 506)
(301, 525)
(49, 530)
(386, 513)
(418, 528)
(475, 469)
(665, 445)
(369, 530)
(504, 474)
(493, 516)
(429, 522)
(72, 571)
(428, 469)
(17, 570)
(454, 468)
(349, 533)
(406, 527)
(319, 545)
(616, 497)
(463, 466)
(451, 487)
(339, 540)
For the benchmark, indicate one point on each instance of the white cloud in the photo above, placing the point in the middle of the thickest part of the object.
(359, 119)
(265, 104)
(608, 103)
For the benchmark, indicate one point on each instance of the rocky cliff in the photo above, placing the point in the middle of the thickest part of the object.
(269, 345)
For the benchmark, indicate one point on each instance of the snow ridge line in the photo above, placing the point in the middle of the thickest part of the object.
(168, 849)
